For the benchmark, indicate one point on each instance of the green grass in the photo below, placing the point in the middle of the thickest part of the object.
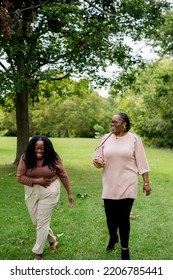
(82, 231)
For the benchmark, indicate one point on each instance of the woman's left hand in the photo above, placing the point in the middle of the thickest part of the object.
(98, 162)
(147, 189)
(71, 200)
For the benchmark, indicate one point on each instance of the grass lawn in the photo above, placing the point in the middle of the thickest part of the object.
(81, 231)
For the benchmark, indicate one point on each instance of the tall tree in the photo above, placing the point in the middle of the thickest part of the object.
(71, 36)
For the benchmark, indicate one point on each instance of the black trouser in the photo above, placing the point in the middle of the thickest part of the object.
(118, 217)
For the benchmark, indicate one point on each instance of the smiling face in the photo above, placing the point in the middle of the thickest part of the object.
(39, 149)
(118, 125)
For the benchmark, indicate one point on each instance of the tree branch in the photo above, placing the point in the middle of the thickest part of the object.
(99, 9)
(29, 8)
(60, 78)
(3, 66)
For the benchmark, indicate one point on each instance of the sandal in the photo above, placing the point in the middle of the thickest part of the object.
(53, 246)
(38, 257)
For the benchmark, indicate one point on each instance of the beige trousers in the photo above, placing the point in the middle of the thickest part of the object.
(40, 202)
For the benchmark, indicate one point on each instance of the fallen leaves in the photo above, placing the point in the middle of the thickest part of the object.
(18, 202)
(21, 242)
(134, 217)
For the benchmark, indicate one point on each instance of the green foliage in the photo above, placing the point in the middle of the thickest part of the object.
(74, 117)
(62, 89)
(83, 114)
(163, 36)
(99, 130)
(148, 102)
(7, 123)
(69, 38)
(81, 231)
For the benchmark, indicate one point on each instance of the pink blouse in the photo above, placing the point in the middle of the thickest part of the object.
(124, 159)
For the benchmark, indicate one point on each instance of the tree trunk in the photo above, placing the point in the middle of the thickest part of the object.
(22, 115)
(22, 122)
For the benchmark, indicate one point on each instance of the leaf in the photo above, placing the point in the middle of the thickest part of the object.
(82, 196)
(21, 242)
(134, 217)
(60, 234)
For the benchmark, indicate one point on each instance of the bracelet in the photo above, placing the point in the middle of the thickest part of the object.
(146, 184)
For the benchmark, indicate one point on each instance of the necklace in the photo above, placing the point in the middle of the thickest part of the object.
(119, 136)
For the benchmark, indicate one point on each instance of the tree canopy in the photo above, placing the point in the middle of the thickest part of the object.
(50, 40)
